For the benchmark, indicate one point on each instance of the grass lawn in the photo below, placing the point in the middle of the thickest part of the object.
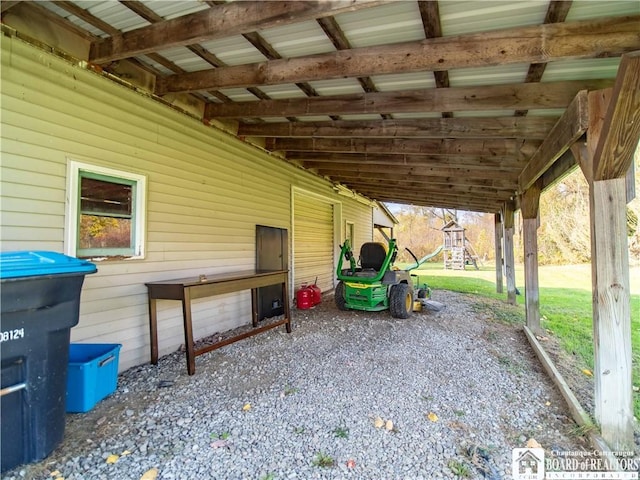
(565, 304)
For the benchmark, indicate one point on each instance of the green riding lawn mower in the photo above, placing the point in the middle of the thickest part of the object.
(377, 285)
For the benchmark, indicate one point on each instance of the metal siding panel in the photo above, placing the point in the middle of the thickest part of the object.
(206, 192)
(313, 242)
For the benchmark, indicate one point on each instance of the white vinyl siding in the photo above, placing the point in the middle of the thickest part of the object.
(206, 191)
(313, 241)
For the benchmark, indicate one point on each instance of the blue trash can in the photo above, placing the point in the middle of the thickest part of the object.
(40, 302)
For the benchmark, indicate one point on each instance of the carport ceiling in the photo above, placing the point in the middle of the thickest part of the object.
(428, 103)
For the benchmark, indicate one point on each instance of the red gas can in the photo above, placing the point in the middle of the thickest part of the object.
(304, 297)
(316, 294)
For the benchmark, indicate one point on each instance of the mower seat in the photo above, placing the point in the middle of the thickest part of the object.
(372, 255)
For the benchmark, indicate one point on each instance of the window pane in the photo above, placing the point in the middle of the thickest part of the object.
(104, 232)
(105, 198)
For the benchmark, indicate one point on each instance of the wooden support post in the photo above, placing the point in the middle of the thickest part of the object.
(509, 261)
(612, 137)
(530, 218)
(612, 314)
(498, 251)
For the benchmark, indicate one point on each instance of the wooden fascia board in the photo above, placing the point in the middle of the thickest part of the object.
(568, 129)
(525, 96)
(225, 20)
(620, 132)
(533, 44)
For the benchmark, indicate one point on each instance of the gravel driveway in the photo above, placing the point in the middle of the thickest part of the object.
(350, 395)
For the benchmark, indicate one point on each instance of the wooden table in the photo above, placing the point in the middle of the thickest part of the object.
(187, 289)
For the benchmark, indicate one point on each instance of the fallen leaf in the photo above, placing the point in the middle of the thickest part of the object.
(151, 474)
(587, 372)
(55, 473)
(351, 463)
(388, 425)
(432, 416)
(547, 403)
(532, 443)
(378, 422)
(247, 407)
(219, 443)
(126, 452)
(112, 458)
(59, 478)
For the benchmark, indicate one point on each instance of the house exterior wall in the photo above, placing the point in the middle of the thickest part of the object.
(206, 191)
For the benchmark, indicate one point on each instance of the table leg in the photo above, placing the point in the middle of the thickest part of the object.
(153, 330)
(285, 300)
(188, 331)
(254, 306)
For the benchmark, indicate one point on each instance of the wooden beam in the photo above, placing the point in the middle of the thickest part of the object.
(430, 15)
(533, 128)
(450, 200)
(422, 182)
(499, 178)
(220, 21)
(500, 147)
(529, 206)
(570, 127)
(560, 169)
(556, 12)
(539, 43)
(415, 160)
(611, 314)
(509, 259)
(460, 202)
(496, 97)
(498, 250)
(621, 130)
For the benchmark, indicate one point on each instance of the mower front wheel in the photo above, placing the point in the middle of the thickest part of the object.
(338, 295)
(401, 301)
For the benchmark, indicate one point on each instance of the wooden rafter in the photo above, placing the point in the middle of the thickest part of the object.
(430, 14)
(428, 183)
(533, 128)
(621, 129)
(413, 160)
(540, 43)
(494, 97)
(498, 147)
(219, 21)
(573, 123)
(556, 12)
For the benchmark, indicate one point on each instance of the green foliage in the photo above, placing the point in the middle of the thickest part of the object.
(341, 432)
(459, 468)
(566, 312)
(323, 460)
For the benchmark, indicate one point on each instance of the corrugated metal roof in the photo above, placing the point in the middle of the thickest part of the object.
(458, 17)
(501, 74)
(581, 69)
(391, 23)
(234, 50)
(298, 39)
(586, 9)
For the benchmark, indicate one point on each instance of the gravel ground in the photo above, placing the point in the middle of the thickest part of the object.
(460, 387)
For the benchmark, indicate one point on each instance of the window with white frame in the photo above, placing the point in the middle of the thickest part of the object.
(106, 212)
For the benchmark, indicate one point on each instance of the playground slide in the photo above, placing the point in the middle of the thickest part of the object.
(425, 258)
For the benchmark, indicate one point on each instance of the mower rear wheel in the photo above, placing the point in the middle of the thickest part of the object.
(401, 301)
(338, 295)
